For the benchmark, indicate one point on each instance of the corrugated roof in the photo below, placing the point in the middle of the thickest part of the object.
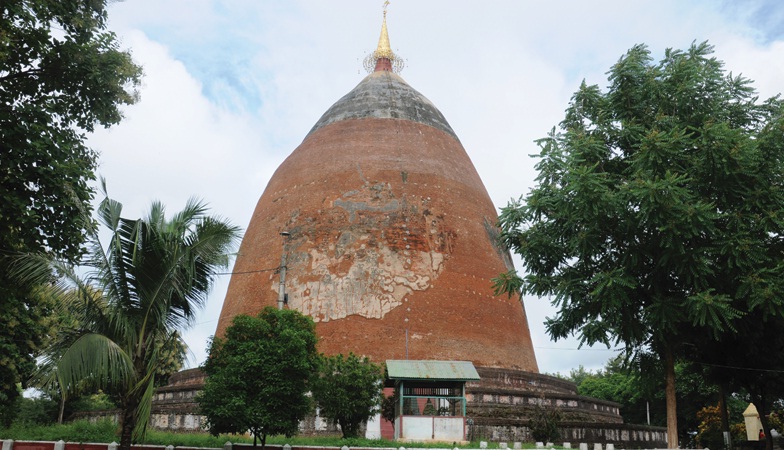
(431, 370)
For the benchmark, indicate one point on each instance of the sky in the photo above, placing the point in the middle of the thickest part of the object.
(232, 87)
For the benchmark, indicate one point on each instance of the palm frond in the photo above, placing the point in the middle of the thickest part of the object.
(97, 359)
(194, 211)
(193, 260)
(31, 269)
(144, 410)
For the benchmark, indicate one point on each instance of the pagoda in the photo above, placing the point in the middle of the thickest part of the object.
(382, 232)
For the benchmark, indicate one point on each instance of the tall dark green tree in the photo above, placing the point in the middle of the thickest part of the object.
(347, 390)
(659, 209)
(61, 74)
(258, 375)
(137, 292)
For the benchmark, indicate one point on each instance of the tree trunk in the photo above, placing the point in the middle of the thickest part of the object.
(127, 422)
(349, 427)
(62, 409)
(725, 420)
(669, 392)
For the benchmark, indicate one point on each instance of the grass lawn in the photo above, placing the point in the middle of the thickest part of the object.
(106, 431)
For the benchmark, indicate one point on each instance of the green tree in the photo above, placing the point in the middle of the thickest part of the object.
(576, 376)
(138, 291)
(620, 383)
(258, 373)
(659, 209)
(389, 405)
(36, 411)
(348, 391)
(61, 74)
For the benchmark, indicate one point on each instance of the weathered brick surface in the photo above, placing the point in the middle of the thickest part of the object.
(391, 230)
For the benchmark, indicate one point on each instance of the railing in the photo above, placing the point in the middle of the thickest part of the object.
(431, 406)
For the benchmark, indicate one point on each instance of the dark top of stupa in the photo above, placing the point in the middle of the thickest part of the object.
(385, 95)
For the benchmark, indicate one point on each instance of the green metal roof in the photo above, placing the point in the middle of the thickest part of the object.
(431, 370)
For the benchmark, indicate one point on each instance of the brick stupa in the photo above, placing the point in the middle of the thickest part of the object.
(390, 239)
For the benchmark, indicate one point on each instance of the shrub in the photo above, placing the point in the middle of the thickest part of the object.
(709, 433)
(36, 411)
(543, 423)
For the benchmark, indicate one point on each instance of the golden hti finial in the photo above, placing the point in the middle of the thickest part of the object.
(383, 58)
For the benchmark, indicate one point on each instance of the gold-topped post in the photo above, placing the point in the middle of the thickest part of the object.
(383, 59)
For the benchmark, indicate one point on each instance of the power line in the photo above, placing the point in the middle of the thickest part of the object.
(722, 366)
(580, 349)
(248, 271)
(739, 368)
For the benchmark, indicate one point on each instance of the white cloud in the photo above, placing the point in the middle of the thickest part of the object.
(174, 143)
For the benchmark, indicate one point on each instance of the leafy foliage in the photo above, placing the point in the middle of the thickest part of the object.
(257, 375)
(36, 411)
(543, 423)
(61, 73)
(618, 384)
(28, 323)
(389, 405)
(709, 432)
(348, 391)
(138, 291)
(659, 209)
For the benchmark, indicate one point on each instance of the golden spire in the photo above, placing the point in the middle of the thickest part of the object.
(383, 58)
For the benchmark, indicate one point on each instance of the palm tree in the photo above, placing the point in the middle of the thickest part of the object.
(130, 298)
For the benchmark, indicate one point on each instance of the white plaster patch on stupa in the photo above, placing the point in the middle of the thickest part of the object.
(367, 288)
